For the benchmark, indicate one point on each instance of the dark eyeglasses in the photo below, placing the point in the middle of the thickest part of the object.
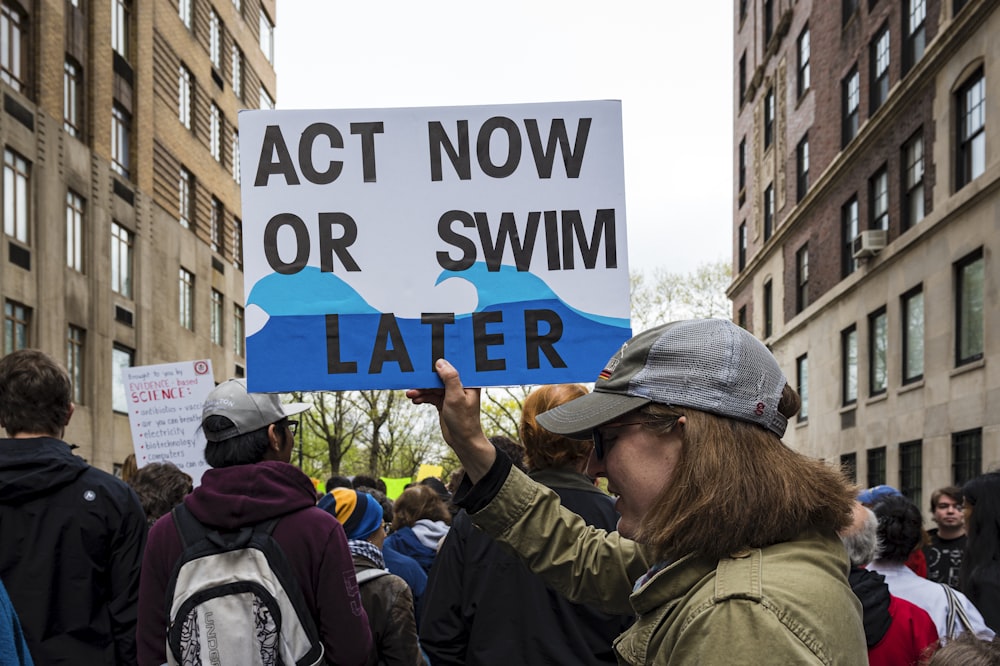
(292, 426)
(603, 442)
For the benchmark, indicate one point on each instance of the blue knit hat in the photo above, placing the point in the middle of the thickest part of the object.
(360, 513)
(872, 495)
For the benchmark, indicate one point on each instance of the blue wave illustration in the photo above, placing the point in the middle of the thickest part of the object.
(520, 333)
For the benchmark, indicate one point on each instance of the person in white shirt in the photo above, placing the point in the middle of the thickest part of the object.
(899, 524)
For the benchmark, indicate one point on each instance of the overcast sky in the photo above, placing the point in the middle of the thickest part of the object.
(669, 63)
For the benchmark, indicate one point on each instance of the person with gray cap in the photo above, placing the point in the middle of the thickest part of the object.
(727, 548)
(250, 441)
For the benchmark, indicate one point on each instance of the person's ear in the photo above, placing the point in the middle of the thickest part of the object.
(69, 413)
(274, 438)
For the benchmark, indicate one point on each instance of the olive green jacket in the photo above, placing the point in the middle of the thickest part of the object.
(789, 603)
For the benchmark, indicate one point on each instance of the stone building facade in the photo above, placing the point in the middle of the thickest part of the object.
(866, 214)
(121, 202)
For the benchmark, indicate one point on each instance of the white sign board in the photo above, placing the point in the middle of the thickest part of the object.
(164, 411)
(378, 240)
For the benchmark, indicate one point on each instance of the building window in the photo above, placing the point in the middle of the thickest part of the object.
(969, 308)
(876, 467)
(768, 118)
(957, 6)
(802, 385)
(217, 317)
(878, 196)
(121, 124)
(912, 309)
(741, 317)
(235, 157)
(16, 195)
(803, 62)
(185, 198)
(802, 278)
(74, 361)
(214, 39)
(74, 230)
(218, 214)
(214, 132)
(237, 243)
(971, 158)
(768, 21)
(239, 341)
(966, 455)
(121, 357)
(72, 98)
(742, 175)
(13, 46)
(121, 260)
(849, 464)
(914, 33)
(238, 4)
(802, 168)
(911, 471)
(16, 326)
(878, 343)
(120, 18)
(880, 69)
(741, 259)
(768, 309)
(913, 181)
(743, 10)
(849, 231)
(237, 67)
(743, 78)
(184, 9)
(768, 212)
(851, 91)
(267, 36)
(849, 365)
(184, 84)
(265, 100)
(186, 300)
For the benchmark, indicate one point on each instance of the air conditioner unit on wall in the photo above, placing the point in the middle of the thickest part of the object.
(869, 242)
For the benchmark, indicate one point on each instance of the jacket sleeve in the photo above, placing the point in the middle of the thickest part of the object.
(400, 646)
(162, 551)
(585, 564)
(444, 632)
(127, 546)
(342, 622)
(988, 594)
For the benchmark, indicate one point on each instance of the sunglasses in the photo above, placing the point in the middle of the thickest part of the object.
(603, 440)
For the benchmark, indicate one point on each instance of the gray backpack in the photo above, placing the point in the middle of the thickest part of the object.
(233, 599)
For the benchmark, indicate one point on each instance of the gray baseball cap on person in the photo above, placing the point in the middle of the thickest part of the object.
(247, 411)
(711, 365)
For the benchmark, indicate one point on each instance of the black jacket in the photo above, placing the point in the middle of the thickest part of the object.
(483, 606)
(70, 553)
(389, 604)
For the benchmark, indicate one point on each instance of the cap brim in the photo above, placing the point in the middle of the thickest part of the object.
(293, 408)
(577, 418)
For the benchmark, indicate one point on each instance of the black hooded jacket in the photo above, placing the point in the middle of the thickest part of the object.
(71, 542)
(871, 590)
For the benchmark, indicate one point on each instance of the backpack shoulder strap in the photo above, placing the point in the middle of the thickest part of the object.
(370, 574)
(189, 529)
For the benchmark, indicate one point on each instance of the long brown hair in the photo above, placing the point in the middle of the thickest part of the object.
(416, 503)
(736, 486)
(544, 449)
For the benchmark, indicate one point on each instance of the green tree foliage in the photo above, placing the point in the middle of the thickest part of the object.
(663, 296)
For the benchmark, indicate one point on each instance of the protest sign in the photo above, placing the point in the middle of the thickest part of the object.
(378, 240)
(164, 412)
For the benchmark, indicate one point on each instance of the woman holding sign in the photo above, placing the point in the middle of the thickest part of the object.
(727, 547)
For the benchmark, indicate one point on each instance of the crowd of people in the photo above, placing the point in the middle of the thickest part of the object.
(716, 545)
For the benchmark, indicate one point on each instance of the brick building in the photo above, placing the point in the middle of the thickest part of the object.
(121, 201)
(866, 214)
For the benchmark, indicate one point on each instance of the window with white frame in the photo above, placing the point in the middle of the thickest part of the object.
(218, 213)
(186, 299)
(851, 91)
(184, 9)
(216, 323)
(880, 69)
(16, 326)
(971, 157)
(234, 146)
(237, 71)
(239, 341)
(214, 132)
(121, 128)
(13, 44)
(74, 230)
(265, 100)
(914, 32)
(913, 180)
(878, 346)
(121, 260)
(912, 312)
(803, 61)
(802, 386)
(72, 97)
(214, 38)
(16, 195)
(185, 198)
(184, 87)
(878, 188)
(238, 243)
(75, 337)
(120, 27)
(121, 357)
(266, 36)
(848, 232)
(849, 365)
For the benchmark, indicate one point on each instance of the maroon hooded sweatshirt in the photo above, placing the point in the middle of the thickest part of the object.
(314, 543)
